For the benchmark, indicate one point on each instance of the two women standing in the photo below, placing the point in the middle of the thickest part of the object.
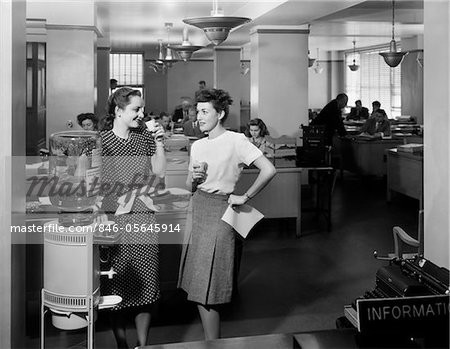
(216, 162)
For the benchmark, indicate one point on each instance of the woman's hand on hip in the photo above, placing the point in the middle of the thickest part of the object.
(237, 200)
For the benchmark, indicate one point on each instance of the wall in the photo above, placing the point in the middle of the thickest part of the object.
(437, 130)
(279, 89)
(318, 85)
(325, 86)
(155, 90)
(12, 142)
(70, 76)
(102, 80)
(183, 78)
(412, 79)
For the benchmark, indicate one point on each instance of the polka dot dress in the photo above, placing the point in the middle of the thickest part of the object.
(126, 166)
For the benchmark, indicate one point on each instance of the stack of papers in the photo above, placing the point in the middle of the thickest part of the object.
(411, 148)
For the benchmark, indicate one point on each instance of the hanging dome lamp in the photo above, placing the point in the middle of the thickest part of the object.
(185, 50)
(392, 57)
(217, 26)
(354, 66)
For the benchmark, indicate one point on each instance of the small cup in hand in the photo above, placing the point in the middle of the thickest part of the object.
(153, 128)
(151, 125)
(199, 172)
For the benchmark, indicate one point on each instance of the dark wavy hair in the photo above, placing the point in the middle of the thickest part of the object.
(263, 131)
(219, 99)
(87, 116)
(120, 98)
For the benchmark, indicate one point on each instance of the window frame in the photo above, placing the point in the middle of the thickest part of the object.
(366, 90)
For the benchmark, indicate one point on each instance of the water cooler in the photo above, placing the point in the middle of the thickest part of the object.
(71, 292)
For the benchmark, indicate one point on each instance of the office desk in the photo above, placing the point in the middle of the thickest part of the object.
(281, 198)
(404, 174)
(330, 339)
(364, 157)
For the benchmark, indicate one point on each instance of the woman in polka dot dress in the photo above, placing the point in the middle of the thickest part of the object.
(131, 155)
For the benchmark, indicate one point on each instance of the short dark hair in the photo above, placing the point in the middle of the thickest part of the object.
(219, 99)
(119, 98)
(203, 82)
(376, 103)
(257, 122)
(342, 96)
(87, 116)
(358, 101)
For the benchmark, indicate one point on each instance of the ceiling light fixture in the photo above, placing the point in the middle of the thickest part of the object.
(354, 66)
(217, 26)
(392, 57)
(318, 69)
(310, 61)
(168, 60)
(185, 50)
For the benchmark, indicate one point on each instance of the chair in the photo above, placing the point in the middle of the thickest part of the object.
(323, 182)
(314, 151)
(401, 238)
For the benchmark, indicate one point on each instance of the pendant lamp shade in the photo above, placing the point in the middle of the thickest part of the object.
(392, 57)
(168, 60)
(185, 50)
(354, 66)
(216, 27)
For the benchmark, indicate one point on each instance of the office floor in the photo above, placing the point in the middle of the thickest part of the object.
(288, 284)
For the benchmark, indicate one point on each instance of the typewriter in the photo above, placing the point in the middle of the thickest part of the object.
(409, 304)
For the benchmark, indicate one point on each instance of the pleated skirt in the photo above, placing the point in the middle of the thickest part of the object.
(208, 257)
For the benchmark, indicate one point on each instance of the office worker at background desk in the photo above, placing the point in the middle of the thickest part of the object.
(207, 264)
(358, 112)
(256, 133)
(331, 117)
(376, 105)
(377, 125)
(191, 127)
(88, 121)
(180, 114)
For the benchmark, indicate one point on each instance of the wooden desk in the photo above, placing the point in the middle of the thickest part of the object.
(330, 339)
(364, 157)
(281, 198)
(404, 174)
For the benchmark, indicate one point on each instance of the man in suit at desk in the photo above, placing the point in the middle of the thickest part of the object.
(180, 114)
(331, 117)
(358, 112)
(191, 127)
(377, 126)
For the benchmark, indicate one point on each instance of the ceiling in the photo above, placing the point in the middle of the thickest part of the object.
(134, 25)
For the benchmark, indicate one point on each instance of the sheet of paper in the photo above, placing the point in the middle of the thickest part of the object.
(242, 218)
(45, 200)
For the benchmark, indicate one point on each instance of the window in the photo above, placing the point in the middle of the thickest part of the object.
(374, 80)
(127, 69)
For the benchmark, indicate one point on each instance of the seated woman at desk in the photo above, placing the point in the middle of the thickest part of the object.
(88, 121)
(256, 132)
(377, 125)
